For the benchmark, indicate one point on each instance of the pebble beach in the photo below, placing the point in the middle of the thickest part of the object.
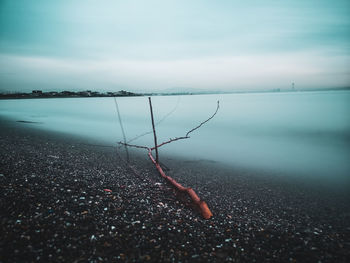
(67, 199)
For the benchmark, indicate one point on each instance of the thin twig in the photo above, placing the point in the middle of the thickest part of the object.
(121, 127)
(154, 130)
(186, 136)
(97, 145)
(171, 140)
(157, 123)
(139, 136)
(133, 145)
(175, 139)
(217, 108)
(169, 113)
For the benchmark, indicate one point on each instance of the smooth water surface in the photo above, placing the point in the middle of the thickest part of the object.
(296, 133)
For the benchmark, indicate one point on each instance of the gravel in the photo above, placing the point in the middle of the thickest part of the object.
(63, 200)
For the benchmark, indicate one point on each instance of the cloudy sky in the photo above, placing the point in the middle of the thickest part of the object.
(157, 45)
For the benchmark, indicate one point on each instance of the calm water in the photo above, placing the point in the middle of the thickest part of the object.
(300, 133)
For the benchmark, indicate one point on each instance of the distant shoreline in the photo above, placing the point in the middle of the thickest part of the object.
(38, 94)
(84, 94)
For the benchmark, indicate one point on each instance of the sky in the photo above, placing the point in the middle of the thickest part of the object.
(173, 45)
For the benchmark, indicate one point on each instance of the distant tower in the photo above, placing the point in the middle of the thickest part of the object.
(293, 88)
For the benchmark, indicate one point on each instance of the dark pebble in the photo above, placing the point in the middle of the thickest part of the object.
(54, 208)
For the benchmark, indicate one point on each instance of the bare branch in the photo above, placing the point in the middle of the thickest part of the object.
(139, 136)
(206, 213)
(169, 113)
(154, 129)
(133, 145)
(177, 138)
(157, 123)
(170, 140)
(186, 136)
(122, 128)
(217, 108)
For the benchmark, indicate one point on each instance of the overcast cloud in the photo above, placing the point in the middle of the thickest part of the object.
(158, 45)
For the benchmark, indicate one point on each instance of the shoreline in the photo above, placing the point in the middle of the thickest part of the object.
(55, 208)
(4, 96)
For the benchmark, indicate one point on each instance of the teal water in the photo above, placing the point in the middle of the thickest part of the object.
(297, 133)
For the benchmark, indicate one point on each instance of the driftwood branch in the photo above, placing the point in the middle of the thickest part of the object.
(202, 205)
(205, 211)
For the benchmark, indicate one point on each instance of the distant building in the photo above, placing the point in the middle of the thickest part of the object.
(37, 92)
(95, 93)
(86, 93)
(125, 93)
(67, 93)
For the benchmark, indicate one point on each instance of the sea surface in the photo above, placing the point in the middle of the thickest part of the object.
(301, 134)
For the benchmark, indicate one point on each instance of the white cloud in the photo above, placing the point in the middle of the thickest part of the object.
(307, 70)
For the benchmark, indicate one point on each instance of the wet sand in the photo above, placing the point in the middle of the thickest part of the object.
(66, 199)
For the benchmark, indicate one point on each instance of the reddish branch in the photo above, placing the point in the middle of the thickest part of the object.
(205, 211)
(202, 205)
